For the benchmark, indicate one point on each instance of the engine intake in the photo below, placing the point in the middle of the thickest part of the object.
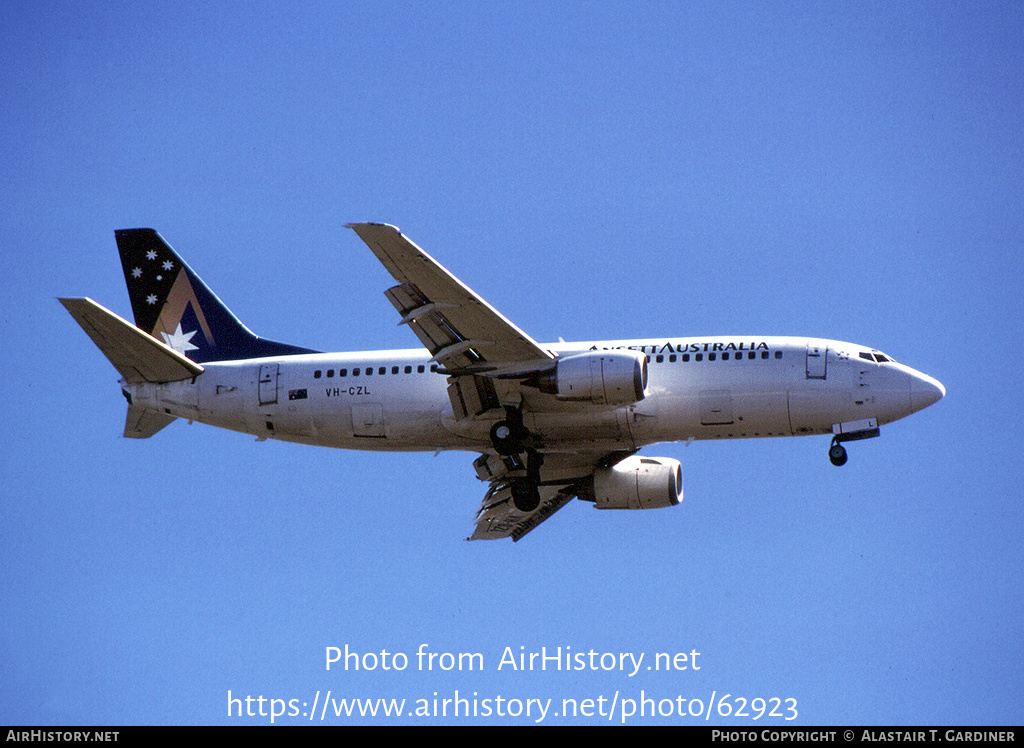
(637, 483)
(600, 377)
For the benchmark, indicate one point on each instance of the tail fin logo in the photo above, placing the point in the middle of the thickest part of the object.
(180, 341)
(171, 302)
(181, 310)
(163, 298)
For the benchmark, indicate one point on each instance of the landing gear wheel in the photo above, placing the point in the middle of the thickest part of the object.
(507, 436)
(837, 454)
(503, 438)
(525, 495)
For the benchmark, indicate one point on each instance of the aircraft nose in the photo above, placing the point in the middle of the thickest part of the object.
(925, 390)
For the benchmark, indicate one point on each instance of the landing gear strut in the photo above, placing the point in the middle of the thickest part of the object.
(509, 438)
(850, 432)
(837, 454)
(526, 491)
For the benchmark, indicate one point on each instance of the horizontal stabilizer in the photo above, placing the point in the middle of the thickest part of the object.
(138, 356)
(142, 423)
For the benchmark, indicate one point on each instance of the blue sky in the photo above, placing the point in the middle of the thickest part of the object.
(595, 172)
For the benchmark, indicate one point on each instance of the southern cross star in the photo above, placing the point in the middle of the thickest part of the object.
(179, 341)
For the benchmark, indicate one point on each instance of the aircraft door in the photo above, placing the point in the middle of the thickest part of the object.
(816, 357)
(268, 384)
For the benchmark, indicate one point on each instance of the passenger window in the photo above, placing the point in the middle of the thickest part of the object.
(342, 372)
(330, 373)
(764, 354)
(394, 369)
(316, 374)
(672, 359)
(778, 354)
(660, 359)
(725, 356)
(382, 370)
(686, 357)
(699, 357)
(408, 370)
(711, 357)
(355, 372)
(751, 355)
(420, 369)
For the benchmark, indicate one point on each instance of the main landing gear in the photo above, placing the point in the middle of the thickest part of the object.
(509, 437)
(525, 495)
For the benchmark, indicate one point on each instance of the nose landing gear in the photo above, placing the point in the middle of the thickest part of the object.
(837, 454)
(850, 432)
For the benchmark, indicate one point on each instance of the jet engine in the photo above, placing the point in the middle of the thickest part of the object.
(637, 483)
(600, 377)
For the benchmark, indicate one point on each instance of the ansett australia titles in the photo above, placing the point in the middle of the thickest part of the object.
(512, 659)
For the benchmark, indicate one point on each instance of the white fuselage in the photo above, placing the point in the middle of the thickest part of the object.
(697, 388)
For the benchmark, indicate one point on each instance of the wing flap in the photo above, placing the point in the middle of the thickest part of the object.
(498, 518)
(138, 356)
(561, 476)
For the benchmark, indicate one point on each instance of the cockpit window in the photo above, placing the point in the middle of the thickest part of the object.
(879, 357)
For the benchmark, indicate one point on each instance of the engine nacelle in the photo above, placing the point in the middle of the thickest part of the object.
(600, 377)
(638, 483)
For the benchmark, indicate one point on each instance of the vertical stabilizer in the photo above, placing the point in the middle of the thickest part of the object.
(171, 303)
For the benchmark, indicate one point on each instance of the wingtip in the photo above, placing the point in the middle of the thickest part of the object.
(371, 224)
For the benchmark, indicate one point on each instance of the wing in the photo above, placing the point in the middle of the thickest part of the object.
(483, 354)
(463, 332)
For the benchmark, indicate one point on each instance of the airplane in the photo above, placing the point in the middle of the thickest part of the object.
(550, 422)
